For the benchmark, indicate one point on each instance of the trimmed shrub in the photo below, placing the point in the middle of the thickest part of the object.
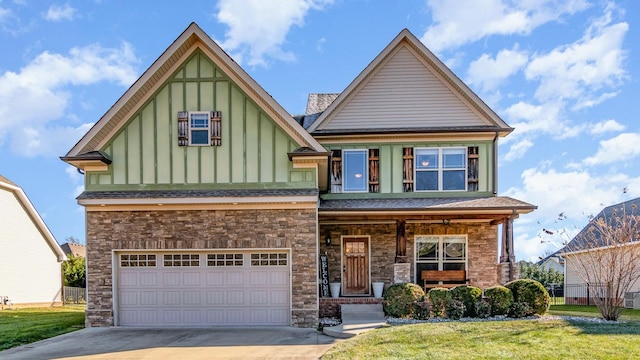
(482, 309)
(455, 309)
(468, 295)
(399, 299)
(500, 298)
(439, 297)
(422, 310)
(531, 292)
(519, 310)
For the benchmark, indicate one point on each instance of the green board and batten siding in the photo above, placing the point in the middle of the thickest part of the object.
(391, 163)
(253, 153)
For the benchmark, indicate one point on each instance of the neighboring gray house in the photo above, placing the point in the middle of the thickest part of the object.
(31, 263)
(581, 244)
(77, 250)
(553, 261)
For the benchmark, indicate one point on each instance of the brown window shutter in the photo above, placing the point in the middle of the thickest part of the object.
(407, 167)
(183, 128)
(336, 171)
(374, 170)
(472, 168)
(215, 123)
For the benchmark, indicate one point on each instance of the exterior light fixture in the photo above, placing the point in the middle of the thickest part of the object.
(327, 239)
(446, 221)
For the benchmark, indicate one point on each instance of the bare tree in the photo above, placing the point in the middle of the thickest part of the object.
(606, 256)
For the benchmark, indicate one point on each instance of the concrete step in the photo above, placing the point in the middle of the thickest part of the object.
(371, 312)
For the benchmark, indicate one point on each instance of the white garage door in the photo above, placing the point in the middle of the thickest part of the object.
(203, 288)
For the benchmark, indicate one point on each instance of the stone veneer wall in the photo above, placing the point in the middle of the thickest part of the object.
(202, 229)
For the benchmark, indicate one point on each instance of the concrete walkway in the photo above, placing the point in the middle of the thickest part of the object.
(166, 344)
(357, 319)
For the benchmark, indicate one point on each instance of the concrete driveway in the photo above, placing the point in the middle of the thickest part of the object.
(204, 343)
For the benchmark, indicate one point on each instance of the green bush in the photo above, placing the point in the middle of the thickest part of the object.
(532, 293)
(455, 309)
(422, 310)
(482, 309)
(399, 299)
(468, 295)
(500, 298)
(439, 297)
(519, 310)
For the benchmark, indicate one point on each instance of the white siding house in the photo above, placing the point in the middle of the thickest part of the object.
(31, 258)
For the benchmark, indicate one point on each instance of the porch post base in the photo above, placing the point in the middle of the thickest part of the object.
(507, 271)
(401, 273)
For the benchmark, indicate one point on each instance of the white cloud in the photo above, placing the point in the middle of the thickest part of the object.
(619, 149)
(577, 194)
(517, 150)
(488, 73)
(262, 36)
(58, 13)
(606, 126)
(463, 21)
(579, 71)
(40, 93)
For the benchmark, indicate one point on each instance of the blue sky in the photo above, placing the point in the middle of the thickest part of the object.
(565, 74)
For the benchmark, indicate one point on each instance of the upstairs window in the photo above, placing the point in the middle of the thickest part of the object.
(354, 168)
(199, 128)
(440, 169)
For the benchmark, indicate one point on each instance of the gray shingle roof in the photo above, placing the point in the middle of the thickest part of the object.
(584, 240)
(317, 103)
(217, 193)
(491, 203)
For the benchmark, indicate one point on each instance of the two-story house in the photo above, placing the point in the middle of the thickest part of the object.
(207, 203)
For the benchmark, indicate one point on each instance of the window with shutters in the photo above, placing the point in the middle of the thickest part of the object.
(355, 170)
(199, 128)
(440, 169)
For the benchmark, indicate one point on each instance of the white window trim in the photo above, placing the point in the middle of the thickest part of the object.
(440, 169)
(366, 170)
(208, 128)
(440, 259)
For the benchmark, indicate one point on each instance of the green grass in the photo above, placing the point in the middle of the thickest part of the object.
(24, 326)
(591, 311)
(523, 339)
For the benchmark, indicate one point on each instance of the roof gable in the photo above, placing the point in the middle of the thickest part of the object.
(406, 86)
(190, 41)
(6, 185)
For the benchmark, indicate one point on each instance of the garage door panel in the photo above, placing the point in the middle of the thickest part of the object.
(216, 297)
(219, 289)
(234, 278)
(171, 298)
(129, 297)
(191, 279)
(214, 279)
(192, 297)
(172, 278)
(279, 297)
(148, 298)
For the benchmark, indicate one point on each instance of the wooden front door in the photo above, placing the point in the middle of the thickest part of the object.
(355, 266)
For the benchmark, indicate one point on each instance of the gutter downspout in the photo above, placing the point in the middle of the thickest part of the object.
(495, 163)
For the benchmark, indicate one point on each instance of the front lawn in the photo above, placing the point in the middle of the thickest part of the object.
(24, 326)
(514, 339)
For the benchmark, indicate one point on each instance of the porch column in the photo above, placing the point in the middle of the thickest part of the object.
(401, 242)
(507, 255)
